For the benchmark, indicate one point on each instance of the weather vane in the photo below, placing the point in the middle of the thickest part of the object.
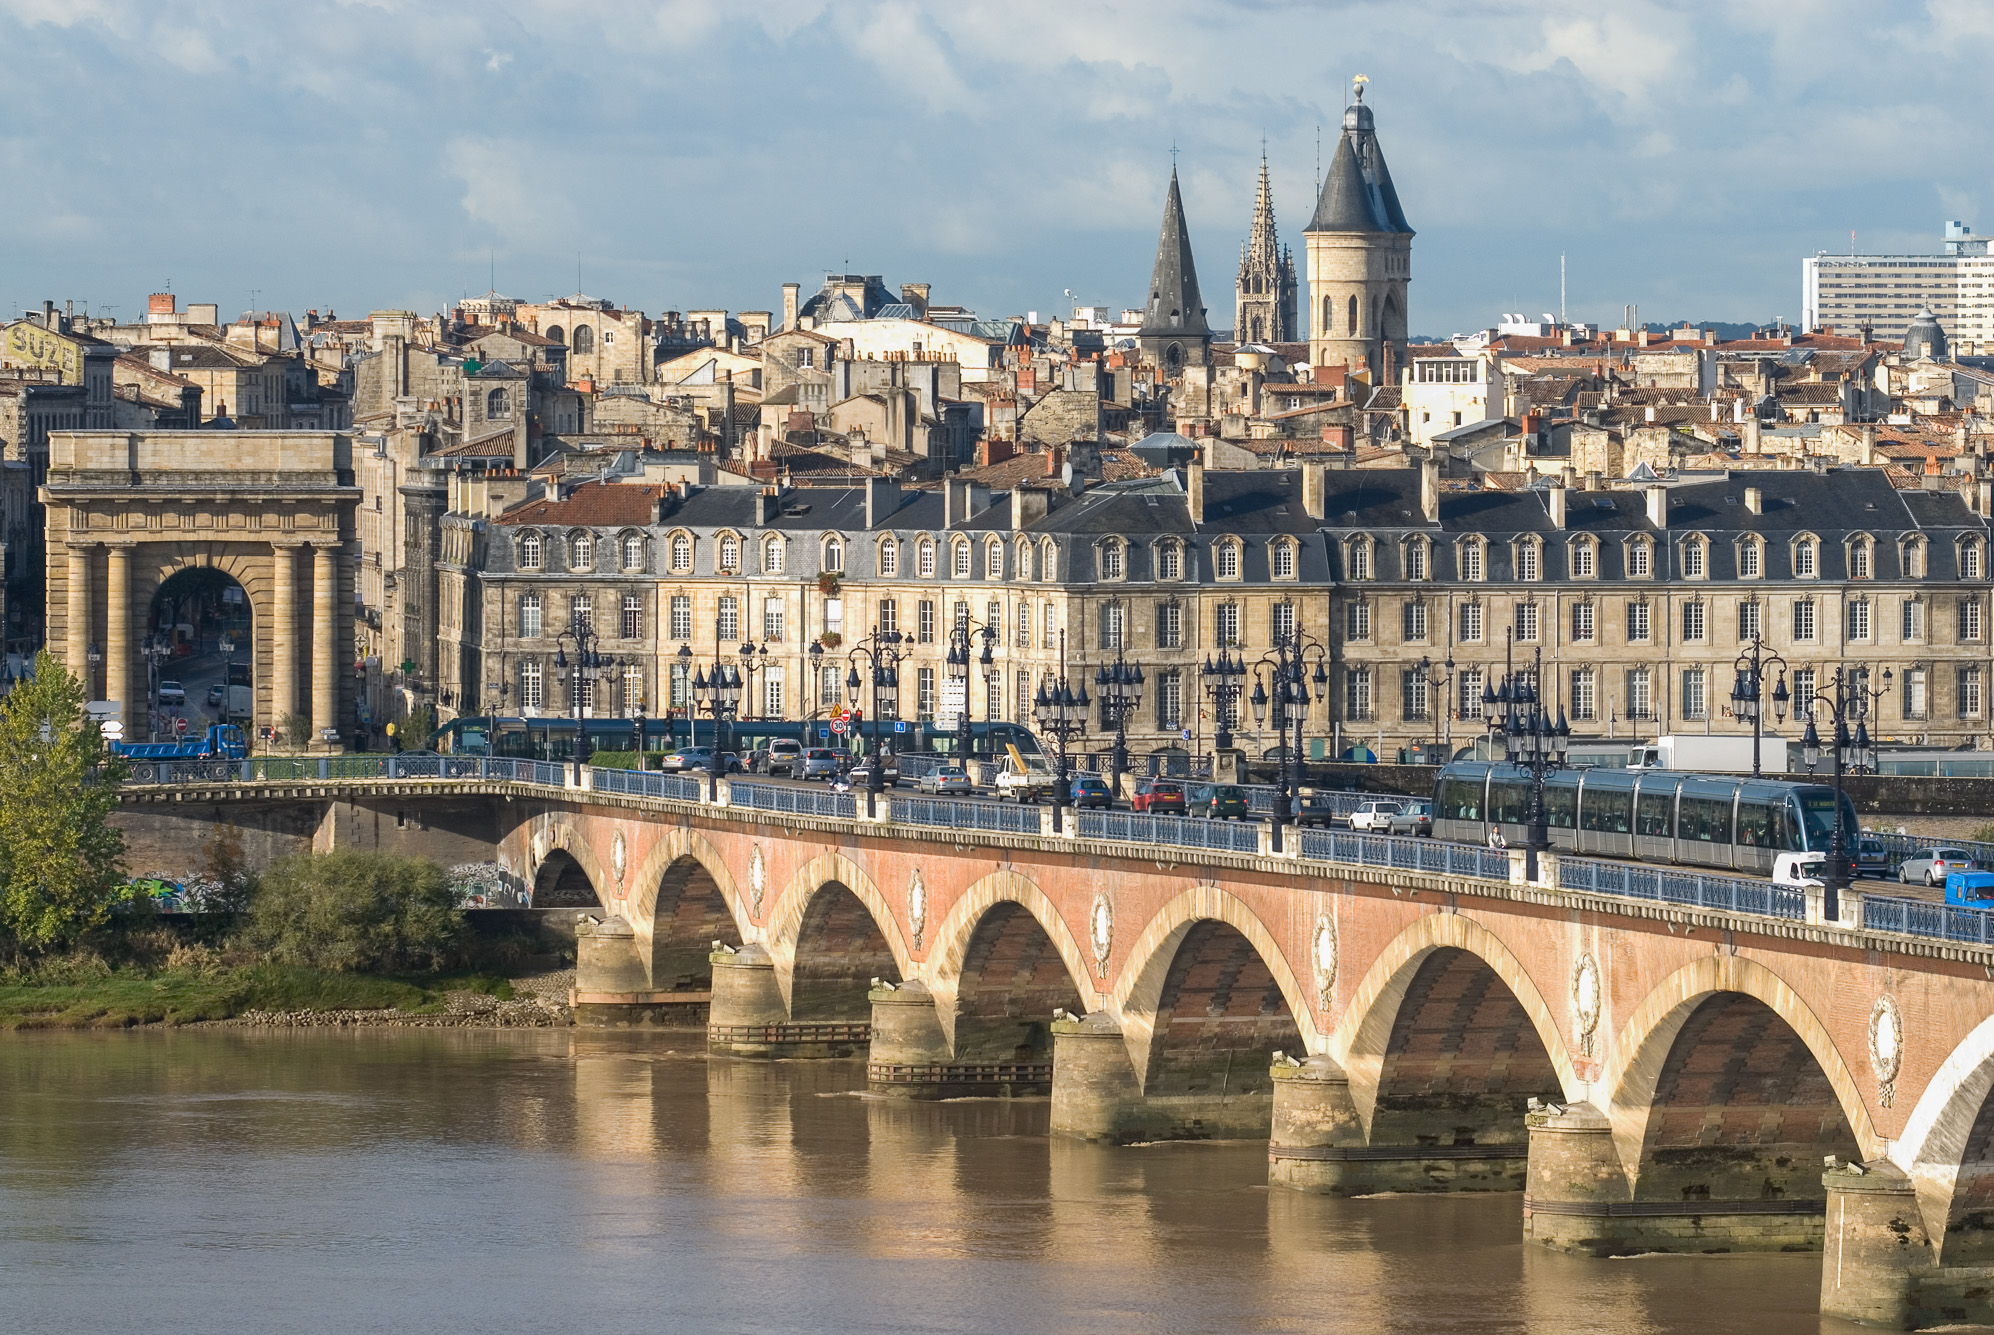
(1357, 85)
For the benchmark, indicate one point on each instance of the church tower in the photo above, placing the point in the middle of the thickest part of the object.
(1264, 300)
(1359, 255)
(1174, 333)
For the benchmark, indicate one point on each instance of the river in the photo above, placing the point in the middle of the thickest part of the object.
(227, 1181)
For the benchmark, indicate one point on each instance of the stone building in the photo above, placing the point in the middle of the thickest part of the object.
(1359, 256)
(1174, 333)
(1264, 301)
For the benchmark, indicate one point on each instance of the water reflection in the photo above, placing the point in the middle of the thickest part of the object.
(461, 1181)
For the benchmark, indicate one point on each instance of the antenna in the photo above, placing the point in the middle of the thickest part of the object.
(1318, 157)
(1561, 287)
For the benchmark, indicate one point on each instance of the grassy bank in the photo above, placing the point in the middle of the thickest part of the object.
(132, 996)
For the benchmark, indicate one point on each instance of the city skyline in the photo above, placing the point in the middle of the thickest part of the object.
(677, 157)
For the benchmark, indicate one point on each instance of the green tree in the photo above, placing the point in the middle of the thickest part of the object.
(60, 857)
(356, 912)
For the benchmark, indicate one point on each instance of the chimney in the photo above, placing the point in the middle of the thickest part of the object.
(160, 303)
(916, 295)
(790, 292)
(1750, 435)
(1985, 498)
(766, 505)
(1595, 480)
(1429, 488)
(1312, 488)
(1867, 457)
(1194, 490)
(1658, 506)
(1642, 336)
(1055, 460)
(1028, 505)
(1651, 412)
(882, 498)
(1554, 498)
(1755, 501)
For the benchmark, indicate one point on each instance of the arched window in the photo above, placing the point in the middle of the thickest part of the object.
(730, 552)
(834, 555)
(1969, 559)
(681, 552)
(1529, 560)
(1353, 317)
(889, 558)
(993, 560)
(584, 340)
(1329, 315)
(959, 560)
(1048, 560)
(530, 557)
(1474, 560)
(925, 559)
(1225, 558)
(1914, 559)
(1281, 559)
(1751, 560)
(771, 554)
(633, 551)
(1170, 559)
(496, 405)
(1695, 558)
(1357, 559)
(581, 551)
(1806, 563)
(554, 332)
(1415, 556)
(1640, 559)
(1112, 563)
(1859, 562)
(1024, 570)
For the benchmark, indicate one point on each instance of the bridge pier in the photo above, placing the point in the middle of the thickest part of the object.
(910, 1055)
(1318, 1145)
(1875, 1245)
(750, 1019)
(1096, 1095)
(613, 988)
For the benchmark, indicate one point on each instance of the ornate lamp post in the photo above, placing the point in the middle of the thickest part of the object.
(1849, 696)
(1119, 686)
(1440, 695)
(587, 666)
(719, 696)
(958, 661)
(1530, 741)
(1223, 680)
(1061, 714)
(883, 655)
(1285, 665)
(1748, 693)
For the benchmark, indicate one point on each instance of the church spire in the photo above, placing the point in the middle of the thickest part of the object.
(1264, 300)
(1174, 331)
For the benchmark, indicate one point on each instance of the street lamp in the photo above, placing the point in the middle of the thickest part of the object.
(1748, 693)
(1119, 685)
(882, 652)
(1849, 696)
(1223, 680)
(1061, 714)
(1440, 696)
(1532, 741)
(958, 661)
(1285, 665)
(718, 695)
(587, 666)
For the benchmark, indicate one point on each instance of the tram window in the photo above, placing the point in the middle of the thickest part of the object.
(1508, 803)
(1607, 811)
(1705, 819)
(1461, 799)
(1756, 823)
(1560, 806)
(1654, 819)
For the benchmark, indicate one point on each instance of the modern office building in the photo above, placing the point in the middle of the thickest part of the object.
(1884, 293)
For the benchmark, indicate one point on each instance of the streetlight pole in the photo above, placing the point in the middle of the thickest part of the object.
(883, 655)
(1223, 681)
(1062, 715)
(1119, 684)
(1440, 688)
(587, 666)
(1285, 664)
(958, 669)
(1532, 741)
(1748, 693)
(1851, 698)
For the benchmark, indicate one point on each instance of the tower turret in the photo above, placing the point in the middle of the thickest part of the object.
(1359, 255)
(1174, 333)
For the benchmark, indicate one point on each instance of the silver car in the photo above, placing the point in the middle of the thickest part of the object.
(1933, 865)
(944, 779)
(819, 762)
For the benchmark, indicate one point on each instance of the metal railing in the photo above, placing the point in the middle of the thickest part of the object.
(1919, 917)
(997, 817)
(648, 783)
(794, 801)
(1182, 831)
(1730, 894)
(1404, 853)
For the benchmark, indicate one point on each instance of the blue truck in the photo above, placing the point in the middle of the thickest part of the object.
(1970, 889)
(223, 741)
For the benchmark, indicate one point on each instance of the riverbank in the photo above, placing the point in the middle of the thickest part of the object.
(266, 996)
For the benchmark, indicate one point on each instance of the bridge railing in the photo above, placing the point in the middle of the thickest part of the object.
(1920, 917)
(1731, 894)
(994, 816)
(648, 783)
(1404, 853)
(1182, 831)
(795, 801)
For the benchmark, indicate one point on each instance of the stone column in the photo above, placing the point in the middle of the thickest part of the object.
(77, 650)
(118, 632)
(910, 1054)
(1095, 1095)
(748, 1015)
(325, 604)
(1315, 1129)
(1875, 1236)
(283, 632)
(1575, 1182)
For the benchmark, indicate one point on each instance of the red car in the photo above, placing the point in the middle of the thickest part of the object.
(1162, 796)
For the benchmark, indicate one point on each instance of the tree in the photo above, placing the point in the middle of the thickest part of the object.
(356, 912)
(61, 869)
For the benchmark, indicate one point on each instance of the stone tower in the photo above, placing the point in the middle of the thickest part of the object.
(1174, 333)
(1264, 300)
(1360, 257)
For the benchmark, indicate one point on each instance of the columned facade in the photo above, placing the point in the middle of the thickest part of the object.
(133, 509)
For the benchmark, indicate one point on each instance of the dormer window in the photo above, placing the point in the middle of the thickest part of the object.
(1913, 558)
(959, 559)
(1969, 559)
(1640, 559)
(1859, 558)
(1113, 565)
(633, 552)
(1583, 559)
(1170, 560)
(681, 550)
(889, 559)
(1751, 562)
(1225, 559)
(1529, 561)
(1048, 560)
(1281, 559)
(771, 554)
(1417, 567)
(993, 560)
(1806, 558)
(530, 552)
(1357, 559)
(924, 559)
(581, 552)
(834, 555)
(1695, 559)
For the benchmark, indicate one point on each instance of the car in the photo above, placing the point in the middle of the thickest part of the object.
(1933, 865)
(945, 779)
(860, 775)
(1872, 858)
(819, 762)
(1416, 819)
(1091, 790)
(700, 757)
(1164, 797)
(1375, 816)
(1315, 809)
(1217, 801)
(217, 696)
(172, 693)
(778, 757)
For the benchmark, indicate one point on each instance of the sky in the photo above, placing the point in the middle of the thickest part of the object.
(691, 154)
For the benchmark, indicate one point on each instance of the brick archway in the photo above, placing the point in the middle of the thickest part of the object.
(952, 937)
(1641, 1051)
(785, 921)
(686, 858)
(559, 834)
(1947, 1133)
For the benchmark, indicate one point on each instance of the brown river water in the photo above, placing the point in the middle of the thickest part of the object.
(451, 1180)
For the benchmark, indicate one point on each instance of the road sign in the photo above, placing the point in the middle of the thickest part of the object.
(180, 726)
(825, 731)
(843, 714)
(839, 727)
(900, 725)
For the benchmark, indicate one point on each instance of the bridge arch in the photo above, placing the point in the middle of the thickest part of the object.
(830, 932)
(1004, 921)
(682, 899)
(556, 848)
(1206, 943)
(1947, 1149)
(1446, 1015)
(1730, 1031)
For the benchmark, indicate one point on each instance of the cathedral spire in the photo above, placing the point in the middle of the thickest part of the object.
(1264, 302)
(1174, 331)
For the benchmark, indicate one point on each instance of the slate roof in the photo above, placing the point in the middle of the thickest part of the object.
(1175, 309)
(1357, 191)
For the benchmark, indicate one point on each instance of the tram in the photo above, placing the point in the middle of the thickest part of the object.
(554, 738)
(1698, 820)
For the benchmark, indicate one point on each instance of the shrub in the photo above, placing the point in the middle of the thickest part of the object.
(1983, 835)
(356, 912)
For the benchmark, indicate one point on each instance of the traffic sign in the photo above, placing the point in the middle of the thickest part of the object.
(839, 727)
(900, 725)
(825, 731)
(180, 726)
(843, 714)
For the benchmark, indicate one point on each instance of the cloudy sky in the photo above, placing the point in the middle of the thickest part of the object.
(697, 153)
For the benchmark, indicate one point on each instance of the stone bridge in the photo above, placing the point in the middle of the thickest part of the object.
(1649, 1075)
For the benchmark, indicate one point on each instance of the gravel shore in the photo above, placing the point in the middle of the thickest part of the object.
(540, 1002)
